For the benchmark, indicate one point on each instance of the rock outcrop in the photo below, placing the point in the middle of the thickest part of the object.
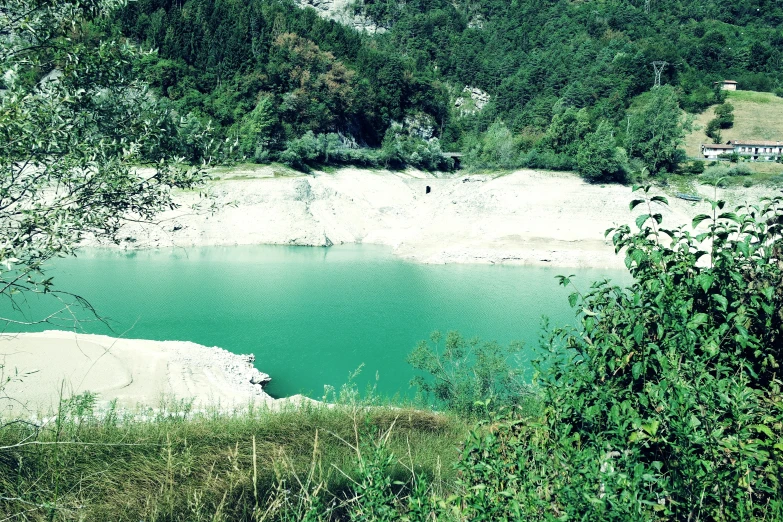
(259, 378)
(471, 100)
(341, 11)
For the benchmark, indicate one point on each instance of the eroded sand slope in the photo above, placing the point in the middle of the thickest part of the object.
(526, 217)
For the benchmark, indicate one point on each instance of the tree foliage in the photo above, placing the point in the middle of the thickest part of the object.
(553, 71)
(465, 376)
(657, 130)
(75, 126)
(599, 158)
(664, 402)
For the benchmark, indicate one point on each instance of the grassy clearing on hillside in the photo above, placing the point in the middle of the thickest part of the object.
(257, 465)
(757, 116)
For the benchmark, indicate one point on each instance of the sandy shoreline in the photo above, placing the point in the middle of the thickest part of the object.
(136, 373)
(525, 217)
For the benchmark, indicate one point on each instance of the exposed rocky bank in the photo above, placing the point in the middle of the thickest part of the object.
(525, 217)
(40, 368)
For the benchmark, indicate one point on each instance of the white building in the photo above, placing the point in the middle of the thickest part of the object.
(752, 150)
(712, 151)
(758, 150)
(727, 85)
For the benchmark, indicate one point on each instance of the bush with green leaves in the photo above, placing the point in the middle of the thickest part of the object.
(656, 130)
(719, 175)
(713, 131)
(464, 375)
(599, 159)
(326, 149)
(724, 115)
(666, 400)
(724, 119)
(695, 167)
(400, 149)
(496, 148)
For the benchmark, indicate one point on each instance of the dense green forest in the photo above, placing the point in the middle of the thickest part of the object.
(266, 74)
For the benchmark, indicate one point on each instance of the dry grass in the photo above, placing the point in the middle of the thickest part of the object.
(757, 116)
(257, 465)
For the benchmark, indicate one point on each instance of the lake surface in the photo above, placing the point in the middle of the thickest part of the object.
(311, 316)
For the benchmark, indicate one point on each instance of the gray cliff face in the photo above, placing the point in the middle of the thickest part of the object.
(471, 100)
(341, 11)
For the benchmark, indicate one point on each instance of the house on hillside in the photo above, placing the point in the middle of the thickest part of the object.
(727, 85)
(712, 151)
(753, 150)
(757, 150)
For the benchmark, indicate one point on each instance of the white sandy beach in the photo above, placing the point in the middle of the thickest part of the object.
(525, 217)
(43, 367)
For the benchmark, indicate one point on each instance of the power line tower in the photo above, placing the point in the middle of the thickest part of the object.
(647, 6)
(658, 66)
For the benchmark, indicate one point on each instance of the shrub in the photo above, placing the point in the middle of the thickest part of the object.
(464, 375)
(733, 157)
(719, 174)
(400, 149)
(326, 149)
(599, 159)
(696, 167)
(713, 130)
(724, 114)
(666, 401)
(547, 160)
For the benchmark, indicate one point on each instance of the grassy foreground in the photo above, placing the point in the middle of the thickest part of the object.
(254, 465)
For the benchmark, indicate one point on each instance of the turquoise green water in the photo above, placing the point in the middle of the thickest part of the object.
(312, 315)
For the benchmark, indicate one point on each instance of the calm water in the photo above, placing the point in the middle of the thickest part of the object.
(313, 315)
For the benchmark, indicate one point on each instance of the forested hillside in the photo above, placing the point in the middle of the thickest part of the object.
(561, 76)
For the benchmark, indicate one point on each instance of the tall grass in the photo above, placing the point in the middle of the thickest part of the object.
(299, 463)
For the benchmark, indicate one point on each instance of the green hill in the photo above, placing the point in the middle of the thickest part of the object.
(265, 74)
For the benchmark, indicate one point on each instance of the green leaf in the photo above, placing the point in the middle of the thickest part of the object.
(651, 427)
(638, 333)
(660, 199)
(705, 281)
(698, 219)
(641, 219)
(763, 429)
(698, 320)
(637, 435)
(635, 203)
(731, 216)
(723, 303)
